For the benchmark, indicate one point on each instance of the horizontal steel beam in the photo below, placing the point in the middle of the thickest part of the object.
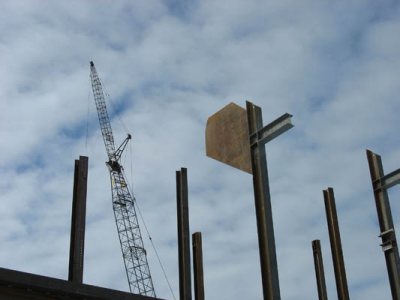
(387, 181)
(28, 286)
(272, 130)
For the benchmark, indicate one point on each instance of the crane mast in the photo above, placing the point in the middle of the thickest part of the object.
(123, 203)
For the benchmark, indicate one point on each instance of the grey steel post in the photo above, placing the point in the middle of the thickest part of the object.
(336, 245)
(380, 184)
(198, 266)
(185, 287)
(77, 244)
(266, 240)
(319, 270)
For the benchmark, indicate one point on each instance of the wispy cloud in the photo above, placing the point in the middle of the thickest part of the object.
(168, 65)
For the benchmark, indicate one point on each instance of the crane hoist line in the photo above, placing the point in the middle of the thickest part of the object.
(123, 203)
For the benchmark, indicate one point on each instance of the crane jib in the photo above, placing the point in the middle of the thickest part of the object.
(101, 107)
(123, 203)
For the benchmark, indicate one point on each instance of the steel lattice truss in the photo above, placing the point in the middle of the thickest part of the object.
(133, 252)
(137, 268)
(101, 107)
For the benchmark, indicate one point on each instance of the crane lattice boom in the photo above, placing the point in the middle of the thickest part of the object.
(133, 252)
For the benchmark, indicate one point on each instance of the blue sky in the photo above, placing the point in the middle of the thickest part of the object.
(170, 65)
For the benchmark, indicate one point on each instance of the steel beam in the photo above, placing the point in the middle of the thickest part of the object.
(198, 266)
(387, 181)
(185, 287)
(319, 270)
(258, 136)
(20, 285)
(336, 245)
(380, 184)
(77, 244)
(272, 130)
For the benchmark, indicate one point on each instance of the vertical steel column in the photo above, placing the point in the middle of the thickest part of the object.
(77, 244)
(319, 270)
(198, 266)
(185, 287)
(389, 243)
(266, 239)
(336, 245)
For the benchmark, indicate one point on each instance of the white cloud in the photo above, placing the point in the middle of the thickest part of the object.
(172, 64)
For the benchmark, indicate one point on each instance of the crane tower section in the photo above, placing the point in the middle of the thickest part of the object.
(123, 203)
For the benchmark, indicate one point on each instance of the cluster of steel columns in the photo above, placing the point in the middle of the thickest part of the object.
(336, 249)
(380, 184)
(78, 233)
(269, 269)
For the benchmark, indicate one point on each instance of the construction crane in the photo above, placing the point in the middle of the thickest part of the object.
(123, 203)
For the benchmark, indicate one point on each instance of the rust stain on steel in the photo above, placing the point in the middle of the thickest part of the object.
(227, 137)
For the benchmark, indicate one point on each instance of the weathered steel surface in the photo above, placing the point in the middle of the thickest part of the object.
(336, 245)
(380, 184)
(262, 200)
(319, 270)
(227, 137)
(77, 244)
(198, 266)
(17, 285)
(185, 286)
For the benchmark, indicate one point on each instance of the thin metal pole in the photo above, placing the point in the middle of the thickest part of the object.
(319, 270)
(389, 243)
(198, 266)
(266, 239)
(77, 244)
(185, 287)
(336, 245)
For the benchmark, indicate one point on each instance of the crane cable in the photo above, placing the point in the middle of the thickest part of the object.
(113, 107)
(87, 120)
(146, 229)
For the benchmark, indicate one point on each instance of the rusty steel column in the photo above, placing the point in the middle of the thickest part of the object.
(319, 270)
(336, 245)
(237, 137)
(198, 266)
(388, 236)
(265, 227)
(185, 286)
(77, 244)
